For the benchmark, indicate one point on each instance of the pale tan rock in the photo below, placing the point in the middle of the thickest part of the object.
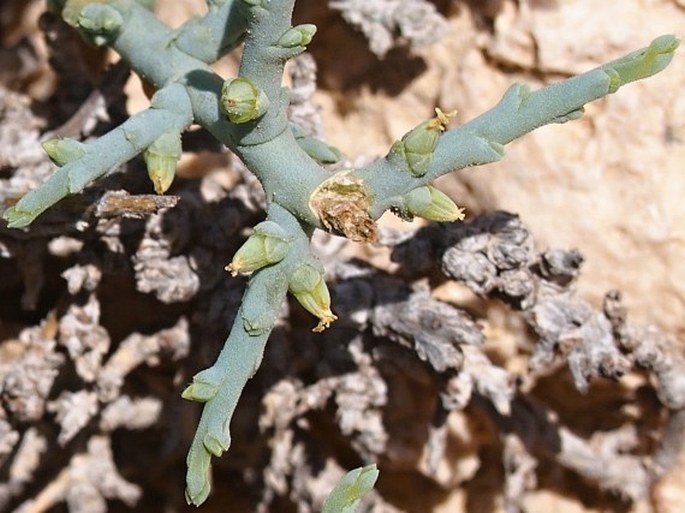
(459, 463)
(609, 184)
(669, 493)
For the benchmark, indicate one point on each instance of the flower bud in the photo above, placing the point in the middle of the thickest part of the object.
(63, 151)
(269, 244)
(161, 158)
(301, 35)
(417, 146)
(101, 22)
(348, 492)
(306, 283)
(204, 387)
(243, 101)
(215, 445)
(200, 391)
(432, 204)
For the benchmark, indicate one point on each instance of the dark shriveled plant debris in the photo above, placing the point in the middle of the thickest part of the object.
(112, 301)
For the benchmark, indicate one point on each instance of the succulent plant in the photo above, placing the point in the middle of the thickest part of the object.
(248, 115)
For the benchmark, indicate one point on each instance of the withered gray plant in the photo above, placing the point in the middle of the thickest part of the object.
(249, 115)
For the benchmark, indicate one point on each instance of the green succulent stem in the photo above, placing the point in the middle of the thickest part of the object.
(519, 112)
(263, 62)
(262, 144)
(104, 155)
(241, 355)
(213, 35)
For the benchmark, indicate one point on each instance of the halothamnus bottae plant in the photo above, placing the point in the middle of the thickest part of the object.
(248, 114)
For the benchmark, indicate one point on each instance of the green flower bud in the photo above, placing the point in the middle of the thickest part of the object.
(215, 445)
(346, 495)
(417, 146)
(432, 204)
(269, 244)
(306, 283)
(301, 35)
(101, 22)
(205, 385)
(63, 151)
(161, 158)
(243, 101)
(200, 391)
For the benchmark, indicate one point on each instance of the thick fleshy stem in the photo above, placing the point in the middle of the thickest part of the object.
(237, 363)
(520, 111)
(219, 387)
(170, 108)
(269, 148)
(301, 195)
(215, 34)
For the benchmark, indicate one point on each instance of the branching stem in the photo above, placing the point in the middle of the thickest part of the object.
(240, 357)
(248, 115)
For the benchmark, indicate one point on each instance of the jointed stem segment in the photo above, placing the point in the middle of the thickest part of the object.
(170, 109)
(519, 112)
(219, 387)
